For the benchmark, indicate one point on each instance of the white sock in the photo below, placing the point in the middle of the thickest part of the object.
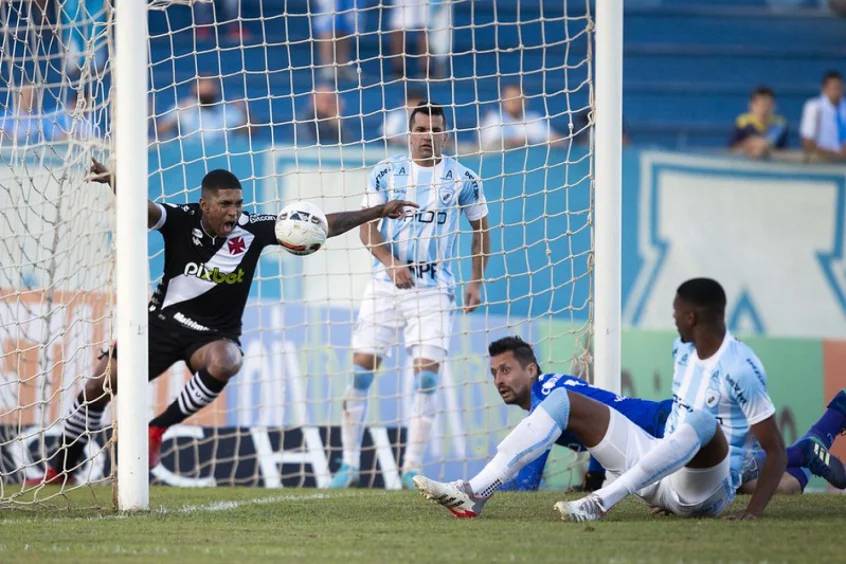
(668, 455)
(82, 421)
(419, 430)
(352, 425)
(533, 436)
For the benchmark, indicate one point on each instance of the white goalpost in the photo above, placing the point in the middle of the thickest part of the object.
(249, 86)
(608, 177)
(130, 243)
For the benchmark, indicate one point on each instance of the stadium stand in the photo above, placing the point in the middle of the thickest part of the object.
(684, 79)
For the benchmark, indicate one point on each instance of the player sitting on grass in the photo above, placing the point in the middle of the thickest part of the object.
(517, 377)
(698, 465)
(211, 252)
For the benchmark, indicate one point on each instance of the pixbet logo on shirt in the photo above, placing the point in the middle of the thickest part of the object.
(214, 275)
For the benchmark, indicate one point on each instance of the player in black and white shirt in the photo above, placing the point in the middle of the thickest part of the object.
(211, 252)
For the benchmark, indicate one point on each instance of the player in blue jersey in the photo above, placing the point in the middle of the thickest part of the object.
(412, 290)
(694, 470)
(515, 370)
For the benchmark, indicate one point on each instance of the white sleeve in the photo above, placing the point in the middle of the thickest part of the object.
(472, 198)
(376, 191)
(477, 210)
(537, 129)
(490, 132)
(810, 120)
(234, 114)
(749, 391)
(171, 116)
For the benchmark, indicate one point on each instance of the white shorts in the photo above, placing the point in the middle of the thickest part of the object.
(688, 492)
(409, 15)
(422, 314)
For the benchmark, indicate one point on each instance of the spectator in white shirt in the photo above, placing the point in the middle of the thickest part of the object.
(410, 18)
(205, 113)
(823, 127)
(395, 126)
(512, 126)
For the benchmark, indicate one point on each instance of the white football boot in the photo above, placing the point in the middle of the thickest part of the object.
(588, 508)
(457, 496)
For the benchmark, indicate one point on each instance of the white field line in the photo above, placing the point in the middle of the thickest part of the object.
(229, 505)
(211, 507)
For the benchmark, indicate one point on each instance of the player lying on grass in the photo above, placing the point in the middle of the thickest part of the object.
(211, 252)
(516, 375)
(518, 379)
(695, 469)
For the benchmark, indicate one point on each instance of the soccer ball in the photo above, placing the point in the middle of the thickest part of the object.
(301, 228)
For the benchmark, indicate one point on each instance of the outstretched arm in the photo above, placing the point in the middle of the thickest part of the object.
(341, 222)
(99, 173)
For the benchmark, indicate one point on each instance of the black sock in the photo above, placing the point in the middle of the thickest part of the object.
(198, 392)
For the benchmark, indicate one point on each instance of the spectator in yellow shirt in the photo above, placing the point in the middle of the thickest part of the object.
(759, 131)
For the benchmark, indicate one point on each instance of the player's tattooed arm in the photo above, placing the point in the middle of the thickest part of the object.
(342, 222)
(100, 173)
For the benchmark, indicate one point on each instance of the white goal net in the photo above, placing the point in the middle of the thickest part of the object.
(55, 237)
(300, 100)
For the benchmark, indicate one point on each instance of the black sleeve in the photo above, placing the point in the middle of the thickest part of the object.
(176, 218)
(264, 228)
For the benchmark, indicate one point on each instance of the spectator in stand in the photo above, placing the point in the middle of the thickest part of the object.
(336, 23)
(513, 126)
(395, 127)
(83, 28)
(760, 130)
(26, 123)
(204, 112)
(823, 127)
(228, 12)
(322, 123)
(440, 38)
(410, 17)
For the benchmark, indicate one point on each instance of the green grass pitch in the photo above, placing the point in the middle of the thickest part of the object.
(255, 525)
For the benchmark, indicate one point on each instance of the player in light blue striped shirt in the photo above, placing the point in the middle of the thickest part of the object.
(731, 384)
(412, 291)
(426, 239)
